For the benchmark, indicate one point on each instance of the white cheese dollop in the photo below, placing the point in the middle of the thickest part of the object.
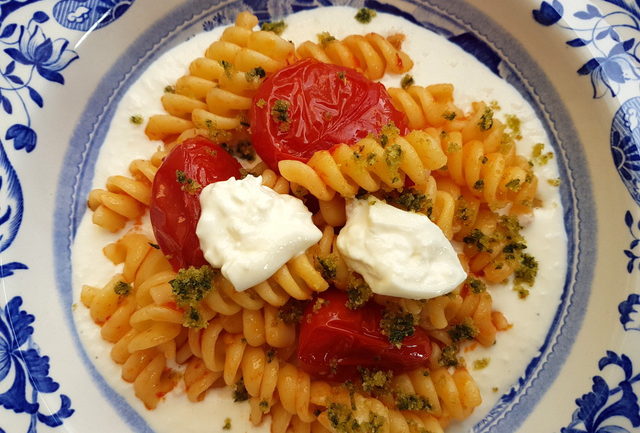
(398, 253)
(249, 231)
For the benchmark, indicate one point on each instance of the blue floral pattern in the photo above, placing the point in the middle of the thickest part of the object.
(630, 313)
(29, 54)
(613, 36)
(603, 409)
(20, 359)
(625, 145)
(609, 409)
(29, 58)
(631, 253)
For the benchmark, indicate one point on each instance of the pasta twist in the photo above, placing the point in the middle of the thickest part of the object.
(451, 395)
(371, 54)
(126, 198)
(135, 345)
(217, 93)
(368, 165)
(266, 377)
(430, 106)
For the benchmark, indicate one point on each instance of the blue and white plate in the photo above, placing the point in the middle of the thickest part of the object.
(64, 64)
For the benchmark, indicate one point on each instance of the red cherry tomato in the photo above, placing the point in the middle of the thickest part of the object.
(175, 205)
(325, 104)
(334, 341)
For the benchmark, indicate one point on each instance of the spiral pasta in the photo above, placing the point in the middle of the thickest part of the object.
(367, 164)
(217, 92)
(125, 198)
(371, 54)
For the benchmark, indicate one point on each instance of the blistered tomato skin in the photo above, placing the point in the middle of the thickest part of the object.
(335, 341)
(175, 205)
(325, 105)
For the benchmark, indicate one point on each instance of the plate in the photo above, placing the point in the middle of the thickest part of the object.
(65, 64)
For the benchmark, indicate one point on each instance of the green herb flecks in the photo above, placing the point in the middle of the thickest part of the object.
(365, 15)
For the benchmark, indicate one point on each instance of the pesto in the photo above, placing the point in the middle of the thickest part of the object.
(479, 240)
(276, 27)
(193, 319)
(514, 185)
(479, 364)
(240, 392)
(476, 285)
(393, 155)
(554, 182)
(449, 115)
(538, 157)
(136, 119)
(365, 15)
(409, 200)
(264, 406)
(527, 270)
(466, 330)
(191, 285)
(325, 37)
(449, 356)
(227, 66)
(407, 81)
(412, 402)
(189, 185)
(122, 289)
(242, 149)
(376, 382)
(328, 266)
(255, 74)
(291, 312)
(358, 292)
(486, 120)
(342, 420)
(169, 89)
(397, 326)
(280, 114)
(227, 424)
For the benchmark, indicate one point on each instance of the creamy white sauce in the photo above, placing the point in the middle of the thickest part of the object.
(436, 61)
(398, 253)
(249, 231)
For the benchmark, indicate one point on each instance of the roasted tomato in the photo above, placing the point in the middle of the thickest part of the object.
(175, 196)
(311, 106)
(335, 341)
